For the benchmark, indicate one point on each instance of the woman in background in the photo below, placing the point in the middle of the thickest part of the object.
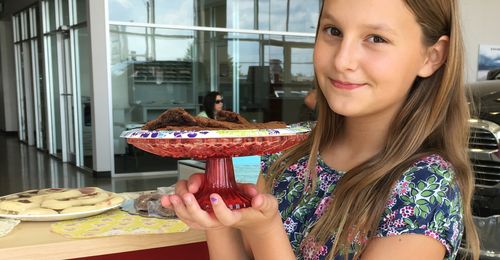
(212, 103)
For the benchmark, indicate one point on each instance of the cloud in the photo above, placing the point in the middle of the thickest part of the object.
(124, 3)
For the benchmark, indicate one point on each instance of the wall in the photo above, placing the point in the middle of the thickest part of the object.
(481, 25)
(8, 80)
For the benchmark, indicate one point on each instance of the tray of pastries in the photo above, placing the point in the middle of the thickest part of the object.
(54, 204)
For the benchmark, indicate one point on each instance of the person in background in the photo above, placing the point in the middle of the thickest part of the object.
(385, 173)
(212, 103)
(308, 110)
(310, 99)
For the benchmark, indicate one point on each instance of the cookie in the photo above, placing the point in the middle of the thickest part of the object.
(68, 194)
(18, 205)
(114, 200)
(58, 204)
(39, 211)
(91, 198)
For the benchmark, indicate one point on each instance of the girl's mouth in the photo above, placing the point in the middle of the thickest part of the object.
(345, 85)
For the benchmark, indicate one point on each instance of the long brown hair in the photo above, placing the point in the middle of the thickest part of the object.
(434, 119)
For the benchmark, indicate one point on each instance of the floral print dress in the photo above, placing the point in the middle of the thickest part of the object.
(426, 200)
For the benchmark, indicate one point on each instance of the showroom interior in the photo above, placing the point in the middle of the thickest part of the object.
(76, 74)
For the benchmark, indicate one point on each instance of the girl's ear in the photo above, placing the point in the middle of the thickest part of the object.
(436, 55)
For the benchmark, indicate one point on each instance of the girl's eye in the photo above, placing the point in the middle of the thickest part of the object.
(334, 31)
(376, 39)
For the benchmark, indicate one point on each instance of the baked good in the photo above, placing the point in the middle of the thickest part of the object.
(113, 200)
(92, 198)
(141, 203)
(68, 194)
(58, 204)
(39, 211)
(149, 205)
(57, 201)
(179, 119)
(18, 205)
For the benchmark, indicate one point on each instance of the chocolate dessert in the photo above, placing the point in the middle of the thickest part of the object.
(179, 119)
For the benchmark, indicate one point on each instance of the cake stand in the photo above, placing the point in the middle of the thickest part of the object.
(217, 147)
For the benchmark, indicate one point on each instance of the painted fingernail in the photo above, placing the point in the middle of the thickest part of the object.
(214, 200)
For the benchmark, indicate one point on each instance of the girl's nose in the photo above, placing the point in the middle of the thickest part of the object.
(345, 57)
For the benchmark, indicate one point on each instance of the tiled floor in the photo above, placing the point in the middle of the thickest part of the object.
(24, 167)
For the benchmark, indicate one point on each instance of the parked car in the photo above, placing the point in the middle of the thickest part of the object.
(484, 152)
(484, 146)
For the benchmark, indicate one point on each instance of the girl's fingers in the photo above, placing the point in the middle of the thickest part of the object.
(165, 201)
(181, 187)
(266, 204)
(226, 216)
(180, 209)
(248, 189)
(195, 181)
(198, 215)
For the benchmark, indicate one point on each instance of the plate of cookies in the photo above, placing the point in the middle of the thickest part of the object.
(54, 204)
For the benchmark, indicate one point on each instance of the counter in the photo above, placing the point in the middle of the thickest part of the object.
(33, 240)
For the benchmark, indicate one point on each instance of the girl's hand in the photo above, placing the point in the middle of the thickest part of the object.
(187, 208)
(255, 219)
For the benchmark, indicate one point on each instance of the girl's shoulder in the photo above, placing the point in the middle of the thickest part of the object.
(268, 159)
(426, 200)
(430, 167)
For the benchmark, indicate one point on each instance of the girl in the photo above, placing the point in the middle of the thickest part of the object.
(212, 103)
(385, 172)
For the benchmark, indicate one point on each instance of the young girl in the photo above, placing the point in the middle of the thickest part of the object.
(385, 172)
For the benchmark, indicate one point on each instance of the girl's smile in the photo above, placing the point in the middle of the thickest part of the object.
(346, 85)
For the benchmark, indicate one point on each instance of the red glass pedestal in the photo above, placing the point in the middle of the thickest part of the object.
(219, 178)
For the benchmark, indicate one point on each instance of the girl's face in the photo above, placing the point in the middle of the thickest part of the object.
(367, 55)
(218, 103)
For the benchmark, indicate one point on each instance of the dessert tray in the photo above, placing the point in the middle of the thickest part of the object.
(36, 212)
(204, 144)
(217, 147)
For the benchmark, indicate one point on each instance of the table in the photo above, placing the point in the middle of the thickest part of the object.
(34, 240)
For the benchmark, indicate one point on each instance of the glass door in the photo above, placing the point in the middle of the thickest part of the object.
(62, 81)
(68, 99)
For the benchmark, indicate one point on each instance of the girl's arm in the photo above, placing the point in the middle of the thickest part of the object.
(408, 246)
(226, 243)
(270, 242)
(223, 242)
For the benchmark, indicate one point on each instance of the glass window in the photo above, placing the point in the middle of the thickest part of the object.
(16, 28)
(129, 11)
(178, 12)
(65, 11)
(154, 69)
(82, 47)
(51, 9)
(33, 21)
(303, 16)
(80, 11)
(24, 26)
(290, 16)
(276, 15)
(240, 14)
(53, 82)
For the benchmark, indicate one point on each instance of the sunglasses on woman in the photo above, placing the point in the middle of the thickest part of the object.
(218, 101)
